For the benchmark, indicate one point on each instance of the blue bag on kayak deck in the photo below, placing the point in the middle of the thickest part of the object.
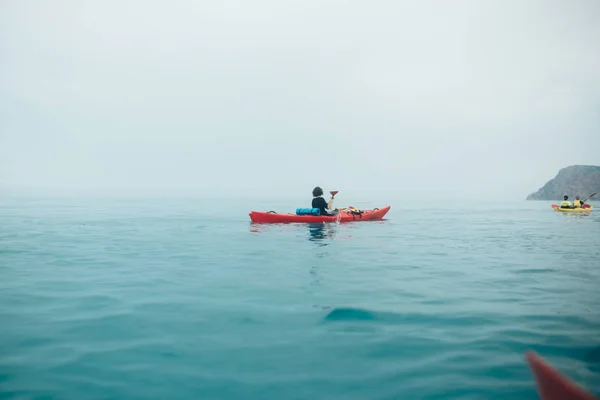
(308, 211)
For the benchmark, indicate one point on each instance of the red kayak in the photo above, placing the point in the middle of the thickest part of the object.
(552, 385)
(272, 217)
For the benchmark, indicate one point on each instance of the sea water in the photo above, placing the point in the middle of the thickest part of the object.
(186, 299)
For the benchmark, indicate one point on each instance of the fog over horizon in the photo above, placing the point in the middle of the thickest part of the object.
(415, 99)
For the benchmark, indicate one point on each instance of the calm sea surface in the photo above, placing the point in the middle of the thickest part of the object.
(182, 299)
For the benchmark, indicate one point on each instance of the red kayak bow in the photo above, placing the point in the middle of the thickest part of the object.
(552, 385)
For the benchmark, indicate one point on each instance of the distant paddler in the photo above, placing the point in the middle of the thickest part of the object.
(319, 202)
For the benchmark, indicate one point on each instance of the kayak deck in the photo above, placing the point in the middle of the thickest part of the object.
(552, 385)
(556, 207)
(344, 216)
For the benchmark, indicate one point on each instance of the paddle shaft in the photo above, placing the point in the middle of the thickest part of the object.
(591, 195)
(330, 203)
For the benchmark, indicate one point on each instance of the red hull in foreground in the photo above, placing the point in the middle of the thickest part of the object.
(552, 385)
(346, 216)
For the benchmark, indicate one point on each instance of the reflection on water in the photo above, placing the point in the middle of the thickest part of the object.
(319, 232)
(257, 228)
(576, 216)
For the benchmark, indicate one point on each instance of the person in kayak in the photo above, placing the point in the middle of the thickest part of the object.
(319, 202)
(566, 203)
(577, 203)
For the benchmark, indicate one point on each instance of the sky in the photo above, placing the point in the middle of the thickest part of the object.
(410, 99)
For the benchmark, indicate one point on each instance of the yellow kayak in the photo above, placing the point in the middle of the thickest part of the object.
(572, 210)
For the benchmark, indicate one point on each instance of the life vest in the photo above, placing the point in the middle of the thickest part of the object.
(565, 204)
(577, 204)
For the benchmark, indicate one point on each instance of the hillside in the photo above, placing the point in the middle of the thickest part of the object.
(575, 180)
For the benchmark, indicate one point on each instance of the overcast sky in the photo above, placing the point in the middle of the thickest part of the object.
(270, 98)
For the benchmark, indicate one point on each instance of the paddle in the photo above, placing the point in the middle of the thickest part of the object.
(333, 193)
(591, 195)
(583, 202)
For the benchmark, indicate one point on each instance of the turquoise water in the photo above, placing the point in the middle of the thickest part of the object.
(182, 299)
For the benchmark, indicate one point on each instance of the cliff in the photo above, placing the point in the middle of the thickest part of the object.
(581, 180)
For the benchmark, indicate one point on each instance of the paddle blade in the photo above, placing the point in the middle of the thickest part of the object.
(552, 385)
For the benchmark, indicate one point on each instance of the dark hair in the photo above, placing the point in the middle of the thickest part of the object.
(566, 197)
(317, 192)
